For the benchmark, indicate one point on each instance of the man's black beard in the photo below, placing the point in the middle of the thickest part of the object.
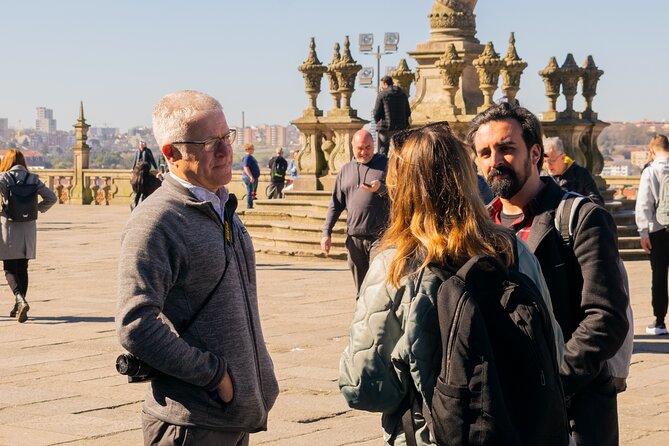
(507, 186)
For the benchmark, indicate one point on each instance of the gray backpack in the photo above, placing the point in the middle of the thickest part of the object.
(662, 211)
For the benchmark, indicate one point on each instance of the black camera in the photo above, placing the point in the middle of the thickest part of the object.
(135, 369)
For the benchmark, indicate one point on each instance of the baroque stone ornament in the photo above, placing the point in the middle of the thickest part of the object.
(332, 75)
(512, 71)
(346, 70)
(590, 75)
(402, 76)
(552, 79)
(454, 14)
(571, 74)
(451, 67)
(312, 70)
(488, 66)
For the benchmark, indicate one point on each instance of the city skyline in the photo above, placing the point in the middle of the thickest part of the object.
(119, 60)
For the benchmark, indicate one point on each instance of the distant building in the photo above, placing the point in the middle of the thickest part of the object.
(620, 169)
(45, 122)
(103, 132)
(638, 158)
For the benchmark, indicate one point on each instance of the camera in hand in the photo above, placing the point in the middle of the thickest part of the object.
(135, 369)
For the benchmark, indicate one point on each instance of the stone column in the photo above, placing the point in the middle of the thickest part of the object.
(403, 77)
(80, 194)
(570, 75)
(332, 75)
(590, 75)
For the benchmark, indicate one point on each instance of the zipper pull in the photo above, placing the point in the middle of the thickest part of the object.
(542, 378)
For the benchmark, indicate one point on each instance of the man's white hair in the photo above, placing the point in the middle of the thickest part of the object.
(175, 113)
(553, 144)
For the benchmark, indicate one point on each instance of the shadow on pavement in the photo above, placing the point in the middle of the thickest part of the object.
(651, 344)
(49, 320)
(297, 268)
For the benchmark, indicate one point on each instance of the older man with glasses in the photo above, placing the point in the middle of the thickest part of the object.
(187, 303)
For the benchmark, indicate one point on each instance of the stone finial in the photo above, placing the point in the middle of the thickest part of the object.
(552, 79)
(332, 75)
(402, 76)
(570, 75)
(312, 70)
(451, 66)
(347, 70)
(512, 71)
(590, 75)
(81, 129)
(488, 66)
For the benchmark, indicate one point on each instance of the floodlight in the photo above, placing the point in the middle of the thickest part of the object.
(366, 42)
(366, 77)
(390, 42)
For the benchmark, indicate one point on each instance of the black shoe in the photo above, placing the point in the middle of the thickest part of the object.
(657, 328)
(23, 307)
(14, 310)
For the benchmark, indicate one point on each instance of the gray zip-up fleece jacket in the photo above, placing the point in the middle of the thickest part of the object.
(367, 212)
(173, 253)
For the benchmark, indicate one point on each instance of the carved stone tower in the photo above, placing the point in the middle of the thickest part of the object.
(81, 152)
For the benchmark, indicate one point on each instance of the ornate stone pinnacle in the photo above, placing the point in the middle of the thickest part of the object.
(570, 74)
(552, 79)
(312, 70)
(488, 66)
(451, 67)
(403, 76)
(81, 129)
(332, 75)
(512, 71)
(590, 75)
(457, 16)
(347, 70)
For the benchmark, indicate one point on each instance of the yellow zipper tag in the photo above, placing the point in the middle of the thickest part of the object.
(227, 232)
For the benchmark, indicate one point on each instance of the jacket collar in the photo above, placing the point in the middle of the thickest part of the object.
(546, 202)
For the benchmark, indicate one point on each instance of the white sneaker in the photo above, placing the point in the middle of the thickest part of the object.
(657, 328)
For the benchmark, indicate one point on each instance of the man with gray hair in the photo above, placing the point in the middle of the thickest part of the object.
(569, 175)
(187, 303)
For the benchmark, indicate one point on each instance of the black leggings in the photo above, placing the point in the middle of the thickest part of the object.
(16, 273)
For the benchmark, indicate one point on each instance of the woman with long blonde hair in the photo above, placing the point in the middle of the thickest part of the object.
(18, 236)
(436, 217)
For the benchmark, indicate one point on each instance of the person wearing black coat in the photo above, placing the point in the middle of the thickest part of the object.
(391, 113)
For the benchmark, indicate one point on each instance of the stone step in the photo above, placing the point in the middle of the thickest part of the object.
(286, 227)
(302, 217)
(290, 241)
(293, 205)
(633, 254)
(624, 217)
(318, 195)
(627, 231)
(614, 206)
(302, 253)
(629, 243)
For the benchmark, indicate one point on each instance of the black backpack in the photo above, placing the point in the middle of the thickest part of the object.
(278, 169)
(21, 201)
(499, 382)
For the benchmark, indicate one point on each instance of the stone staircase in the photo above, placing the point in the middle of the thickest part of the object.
(292, 226)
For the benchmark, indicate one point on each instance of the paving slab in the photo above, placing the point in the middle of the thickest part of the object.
(58, 384)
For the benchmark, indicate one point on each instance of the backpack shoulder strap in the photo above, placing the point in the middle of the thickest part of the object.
(565, 215)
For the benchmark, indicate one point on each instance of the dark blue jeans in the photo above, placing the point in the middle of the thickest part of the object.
(251, 189)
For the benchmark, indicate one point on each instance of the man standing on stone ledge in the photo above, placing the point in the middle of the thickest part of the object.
(391, 112)
(187, 303)
(360, 189)
(583, 275)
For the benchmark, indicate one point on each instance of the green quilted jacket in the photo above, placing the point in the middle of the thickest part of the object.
(394, 343)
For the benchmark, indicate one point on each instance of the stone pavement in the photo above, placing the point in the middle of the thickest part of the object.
(58, 384)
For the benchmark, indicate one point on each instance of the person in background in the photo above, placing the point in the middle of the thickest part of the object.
(278, 166)
(144, 155)
(292, 169)
(143, 183)
(360, 189)
(654, 234)
(391, 113)
(567, 173)
(250, 174)
(18, 241)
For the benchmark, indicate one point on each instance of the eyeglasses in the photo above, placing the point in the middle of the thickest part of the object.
(211, 144)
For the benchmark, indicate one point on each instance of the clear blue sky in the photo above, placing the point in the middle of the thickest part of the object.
(121, 56)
